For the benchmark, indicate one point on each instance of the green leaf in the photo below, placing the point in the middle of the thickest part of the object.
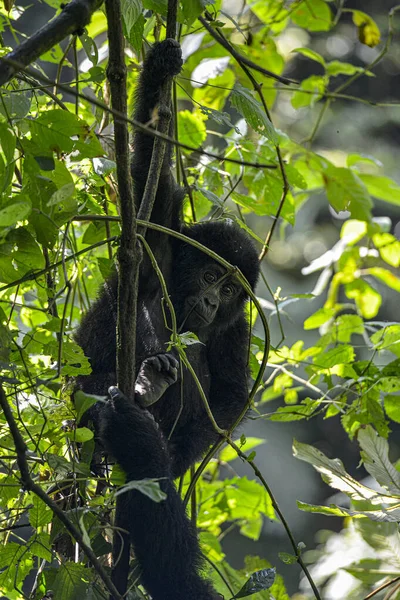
(382, 188)
(386, 277)
(242, 99)
(84, 401)
(89, 45)
(392, 407)
(368, 300)
(40, 514)
(310, 54)
(342, 354)
(288, 559)
(61, 131)
(336, 67)
(131, 9)
(229, 453)
(191, 127)
(387, 338)
(346, 191)
(82, 434)
(389, 248)
(148, 487)
(63, 194)
(309, 92)
(295, 413)
(15, 104)
(13, 213)
(72, 581)
(314, 15)
(375, 455)
(136, 33)
(261, 580)
(335, 475)
(321, 316)
(390, 515)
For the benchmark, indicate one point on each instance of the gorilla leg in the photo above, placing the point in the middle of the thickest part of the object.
(164, 540)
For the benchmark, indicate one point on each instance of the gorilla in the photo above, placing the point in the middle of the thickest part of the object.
(164, 429)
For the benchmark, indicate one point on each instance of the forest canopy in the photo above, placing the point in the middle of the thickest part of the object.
(286, 122)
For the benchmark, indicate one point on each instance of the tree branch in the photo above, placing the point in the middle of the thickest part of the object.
(74, 16)
(129, 253)
(31, 486)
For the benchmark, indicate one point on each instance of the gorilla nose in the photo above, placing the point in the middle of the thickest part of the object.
(211, 301)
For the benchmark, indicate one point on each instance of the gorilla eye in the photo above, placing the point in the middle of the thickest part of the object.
(210, 277)
(228, 290)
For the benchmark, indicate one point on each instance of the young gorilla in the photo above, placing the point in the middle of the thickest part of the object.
(164, 439)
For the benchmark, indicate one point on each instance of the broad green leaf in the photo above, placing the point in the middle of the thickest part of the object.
(346, 191)
(131, 9)
(388, 338)
(191, 127)
(136, 33)
(15, 105)
(82, 434)
(245, 103)
(64, 193)
(9, 215)
(335, 475)
(336, 67)
(392, 407)
(314, 15)
(354, 231)
(368, 300)
(368, 31)
(375, 456)
(342, 354)
(386, 276)
(61, 131)
(84, 401)
(389, 515)
(148, 487)
(389, 248)
(72, 581)
(261, 580)
(310, 54)
(347, 325)
(40, 514)
(288, 559)
(229, 453)
(89, 45)
(295, 413)
(382, 187)
(321, 316)
(309, 92)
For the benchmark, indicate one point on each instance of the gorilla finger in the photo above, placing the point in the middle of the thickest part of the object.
(114, 392)
(163, 358)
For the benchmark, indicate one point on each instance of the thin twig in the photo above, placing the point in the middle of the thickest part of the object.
(243, 59)
(382, 587)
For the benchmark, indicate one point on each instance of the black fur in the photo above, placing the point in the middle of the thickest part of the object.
(149, 443)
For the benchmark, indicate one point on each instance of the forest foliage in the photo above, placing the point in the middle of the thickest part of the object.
(57, 174)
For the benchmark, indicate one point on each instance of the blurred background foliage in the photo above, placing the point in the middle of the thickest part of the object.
(330, 285)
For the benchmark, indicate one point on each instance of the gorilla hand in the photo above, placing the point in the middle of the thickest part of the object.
(156, 374)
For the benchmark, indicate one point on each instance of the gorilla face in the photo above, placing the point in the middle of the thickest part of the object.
(212, 300)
